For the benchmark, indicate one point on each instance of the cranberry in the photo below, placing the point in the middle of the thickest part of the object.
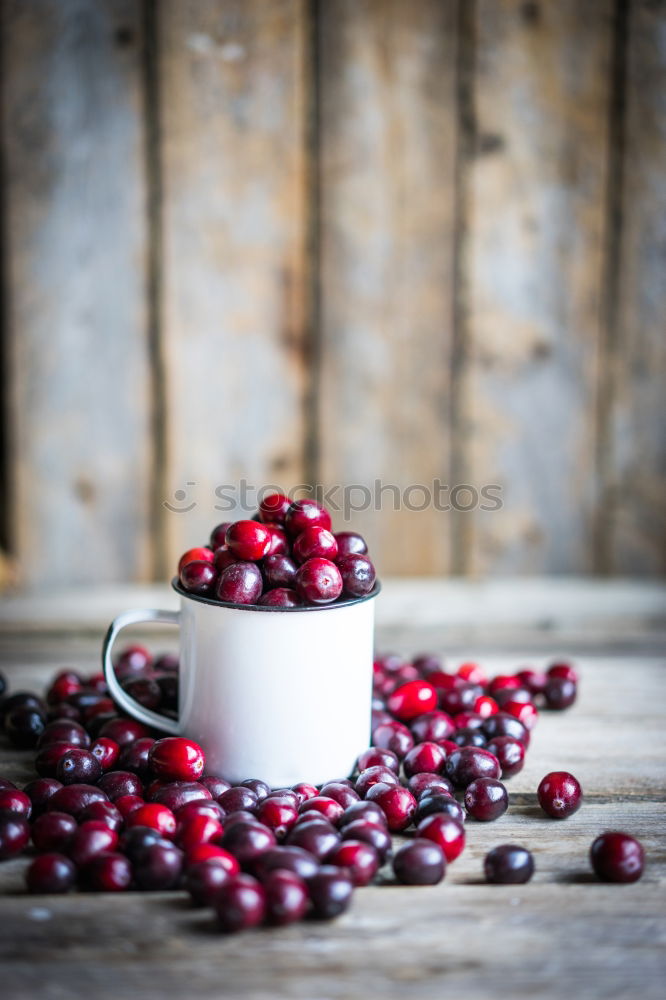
(559, 693)
(350, 544)
(432, 726)
(303, 514)
(106, 751)
(46, 761)
(158, 865)
(289, 795)
(166, 661)
(397, 803)
(20, 699)
(105, 812)
(562, 669)
(424, 758)
(238, 798)
(317, 837)
(155, 815)
(240, 904)
(468, 738)
(412, 699)
(304, 791)
(118, 783)
(176, 794)
(240, 583)
(279, 571)
(468, 720)
(198, 577)
(13, 800)
(341, 792)
(50, 873)
(508, 865)
(216, 786)
(223, 558)
(468, 763)
(91, 838)
(280, 597)
(200, 807)
(39, 792)
(617, 857)
(362, 810)
(520, 695)
(359, 858)
(486, 799)
(485, 706)
(330, 892)
(456, 699)
(377, 756)
(78, 766)
(472, 672)
(533, 680)
(177, 759)
(248, 540)
(273, 508)
(134, 841)
(110, 872)
(419, 862)
(287, 898)
(14, 833)
(53, 831)
(315, 542)
(426, 782)
(446, 831)
(279, 543)
(277, 813)
(371, 833)
(559, 794)
(510, 754)
(126, 804)
(204, 879)
(329, 808)
(218, 534)
(197, 830)
(393, 736)
(373, 776)
(246, 841)
(318, 581)
(358, 576)
(503, 724)
(525, 712)
(432, 804)
(64, 731)
(135, 757)
(292, 859)
(73, 799)
(135, 659)
(123, 731)
(203, 554)
(24, 726)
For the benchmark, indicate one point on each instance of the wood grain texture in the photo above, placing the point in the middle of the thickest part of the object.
(633, 508)
(534, 267)
(387, 154)
(75, 235)
(232, 80)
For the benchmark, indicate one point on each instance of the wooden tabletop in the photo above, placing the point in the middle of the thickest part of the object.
(562, 935)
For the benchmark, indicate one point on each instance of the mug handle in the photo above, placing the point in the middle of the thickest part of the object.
(119, 695)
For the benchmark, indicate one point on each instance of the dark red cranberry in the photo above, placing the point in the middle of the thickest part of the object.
(203, 880)
(508, 865)
(198, 577)
(240, 583)
(444, 830)
(502, 682)
(20, 699)
(393, 736)
(145, 690)
(520, 695)
(407, 672)
(273, 508)
(468, 720)
(432, 804)
(472, 672)
(168, 685)
(134, 841)
(218, 534)
(289, 795)
(373, 776)
(280, 597)
(426, 782)
(248, 540)
(564, 670)
(39, 792)
(371, 833)
(118, 783)
(240, 904)
(166, 662)
(279, 543)
(95, 725)
(485, 706)
(176, 794)
(503, 724)
(218, 855)
(91, 838)
(316, 836)
(176, 759)
(460, 698)
(341, 792)
(50, 873)
(279, 571)
(135, 659)
(617, 857)
(315, 542)
(330, 892)
(73, 799)
(78, 766)
(468, 738)
(358, 576)
(559, 794)
(327, 807)
(109, 872)
(246, 841)
(559, 693)
(13, 800)
(432, 726)
(201, 807)
(216, 786)
(350, 544)
(318, 581)
(196, 555)
(362, 810)
(468, 763)
(65, 731)
(46, 761)
(303, 514)
(14, 834)
(525, 712)
(24, 726)
(287, 898)
(123, 731)
(62, 710)
(106, 751)
(304, 791)
(397, 803)
(379, 717)
(427, 663)
(223, 557)
(419, 862)
(238, 798)
(278, 814)
(424, 758)
(510, 754)
(155, 815)
(533, 680)
(126, 804)
(486, 799)
(359, 858)
(260, 788)
(136, 757)
(412, 699)
(104, 812)
(378, 756)
(53, 831)
(287, 858)
(158, 866)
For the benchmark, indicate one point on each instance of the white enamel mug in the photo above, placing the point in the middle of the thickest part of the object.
(281, 694)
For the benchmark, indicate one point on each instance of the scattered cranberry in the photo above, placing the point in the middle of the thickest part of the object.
(197, 830)
(39, 792)
(246, 841)
(341, 792)
(559, 794)
(420, 862)
(78, 766)
(525, 712)
(116, 784)
(304, 791)
(287, 898)
(154, 815)
(510, 754)
(412, 699)
(486, 799)
(445, 831)
(200, 807)
(377, 756)
(503, 724)
(216, 786)
(559, 693)
(126, 804)
(135, 757)
(362, 810)
(13, 800)
(562, 669)
(73, 799)
(24, 726)
(466, 764)
(240, 583)
(238, 798)
(617, 857)
(373, 776)
(330, 892)
(46, 761)
(371, 833)
(359, 858)
(318, 581)
(317, 837)
(123, 731)
(177, 759)
(397, 803)
(159, 866)
(508, 865)
(277, 813)
(203, 881)
(425, 783)
(14, 834)
(176, 794)
(53, 831)
(64, 731)
(287, 858)
(393, 736)
(431, 804)
(51, 873)
(211, 852)
(105, 812)
(110, 872)
(432, 726)
(468, 738)
(106, 751)
(424, 758)
(91, 838)
(240, 904)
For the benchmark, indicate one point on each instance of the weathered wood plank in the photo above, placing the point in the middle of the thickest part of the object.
(387, 148)
(232, 79)
(633, 507)
(75, 228)
(534, 266)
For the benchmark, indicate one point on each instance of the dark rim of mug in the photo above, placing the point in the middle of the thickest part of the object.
(344, 603)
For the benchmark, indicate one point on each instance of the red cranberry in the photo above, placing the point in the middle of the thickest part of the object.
(508, 865)
(503, 724)
(486, 799)
(46, 761)
(362, 810)
(446, 831)
(468, 720)
(424, 782)
(145, 690)
(53, 831)
(559, 693)
(520, 695)
(359, 858)
(424, 758)
(432, 726)
(287, 898)
(240, 904)
(24, 726)
(292, 859)
(377, 756)
(468, 738)
(280, 597)
(533, 680)
(248, 540)
(200, 807)
(134, 659)
(223, 558)
(64, 731)
(123, 731)
(350, 544)
(327, 807)
(358, 576)
(278, 814)
(216, 786)
(617, 857)
(39, 792)
(13, 800)
(166, 662)
(525, 712)
(419, 862)
(246, 841)
(63, 684)
(158, 866)
(303, 514)
(108, 872)
(14, 834)
(91, 838)
(238, 798)
(318, 581)
(371, 833)
(176, 794)
(126, 804)
(119, 783)
(202, 554)
(289, 795)
(106, 751)
(240, 583)
(50, 873)
(218, 534)
(198, 577)
(397, 803)
(431, 804)
(155, 815)
(412, 699)
(373, 776)
(196, 830)
(468, 763)
(135, 757)
(330, 892)
(317, 837)
(559, 794)
(279, 571)
(204, 879)
(510, 754)
(472, 672)
(341, 792)
(261, 789)
(177, 759)
(485, 706)
(78, 766)
(315, 543)
(562, 669)
(279, 543)
(73, 799)
(393, 736)
(105, 812)
(503, 681)
(273, 508)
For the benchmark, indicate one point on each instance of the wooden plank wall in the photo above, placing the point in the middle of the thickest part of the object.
(335, 242)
